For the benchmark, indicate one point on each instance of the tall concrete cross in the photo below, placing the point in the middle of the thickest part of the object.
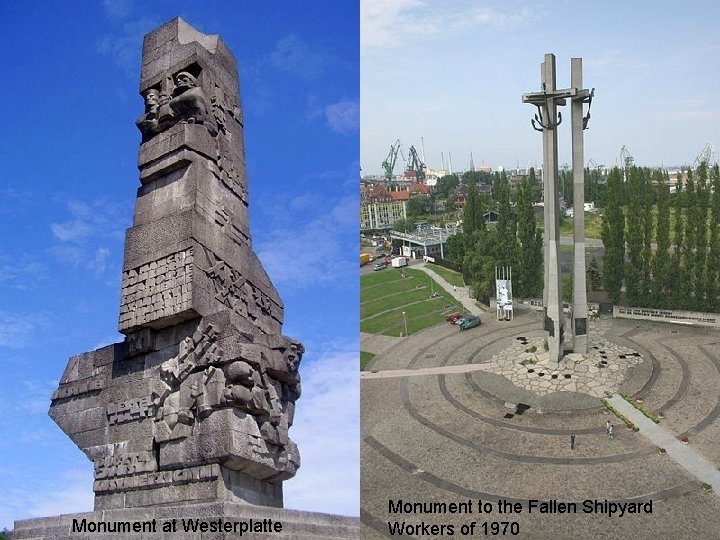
(547, 102)
(579, 123)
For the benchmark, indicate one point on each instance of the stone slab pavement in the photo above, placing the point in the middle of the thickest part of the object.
(444, 370)
(377, 343)
(694, 462)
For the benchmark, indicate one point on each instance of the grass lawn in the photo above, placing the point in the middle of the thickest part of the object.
(593, 225)
(451, 276)
(365, 357)
(385, 295)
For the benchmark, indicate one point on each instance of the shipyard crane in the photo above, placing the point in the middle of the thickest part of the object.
(705, 156)
(416, 167)
(389, 163)
(627, 161)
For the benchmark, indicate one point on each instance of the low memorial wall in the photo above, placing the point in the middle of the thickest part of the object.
(677, 316)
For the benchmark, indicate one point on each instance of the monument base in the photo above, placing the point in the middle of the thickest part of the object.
(216, 520)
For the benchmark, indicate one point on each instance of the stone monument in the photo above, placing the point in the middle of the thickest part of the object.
(190, 414)
(547, 102)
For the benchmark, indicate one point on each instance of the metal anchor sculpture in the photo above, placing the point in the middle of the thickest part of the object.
(586, 118)
(542, 123)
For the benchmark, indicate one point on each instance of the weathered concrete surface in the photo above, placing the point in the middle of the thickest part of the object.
(579, 305)
(293, 523)
(448, 437)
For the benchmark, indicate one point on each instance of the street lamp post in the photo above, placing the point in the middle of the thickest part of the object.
(405, 321)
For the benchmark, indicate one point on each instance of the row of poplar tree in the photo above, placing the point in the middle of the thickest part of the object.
(514, 241)
(664, 248)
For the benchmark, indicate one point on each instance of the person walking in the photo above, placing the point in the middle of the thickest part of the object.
(607, 427)
(572, 441)
(610, 431)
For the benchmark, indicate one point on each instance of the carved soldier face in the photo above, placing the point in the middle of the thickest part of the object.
(152, 97)
(293, 354)
(185, 81)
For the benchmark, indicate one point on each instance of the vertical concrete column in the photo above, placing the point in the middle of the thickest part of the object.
(554, 306)
(547, 198)
(580, 308)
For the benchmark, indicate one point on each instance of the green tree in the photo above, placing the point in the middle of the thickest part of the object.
(700, 216)
(613, 226)
(473, 213)
(455, 249)
(506, 225)
(661, 261)
(567, 288)
(634, 267)
(446, 185)
(479, 263)
(535, 187)
(403, 225)
(528, 268)
(594, 278)
(675, 299)
(712, 276)
(648, 199)
(418, 205)
(566, 186)
(687, 267)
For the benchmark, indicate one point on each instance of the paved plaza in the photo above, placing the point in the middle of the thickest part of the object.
(466, 420)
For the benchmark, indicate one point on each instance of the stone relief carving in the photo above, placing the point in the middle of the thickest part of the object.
(237, 293)
(179, 99)
(226, 166)
(262, 382)
(161, 288)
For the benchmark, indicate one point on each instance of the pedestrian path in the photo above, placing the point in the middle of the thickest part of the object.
(377, 343)
(695, 463)
(443, 370)
(460, 295)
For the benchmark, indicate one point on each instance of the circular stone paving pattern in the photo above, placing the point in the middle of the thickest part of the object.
(504, 432)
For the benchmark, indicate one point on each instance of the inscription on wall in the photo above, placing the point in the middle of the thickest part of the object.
(132, 409)
(157, 289)
(79, 387)
(124, 465)
(156, 479)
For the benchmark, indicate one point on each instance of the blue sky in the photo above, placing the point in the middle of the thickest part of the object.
(454, 72)
(68, 179)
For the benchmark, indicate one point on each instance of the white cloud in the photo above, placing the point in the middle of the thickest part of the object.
(72, 492)
(124, 46)
(82, 238)
(20, 272)
(291, 256)
(380, 21)
(327, 431)
(344, 117)
(293, 55)
(73, 230)
(117, 9)
(386, 24)
(16, 329)
(96, 219)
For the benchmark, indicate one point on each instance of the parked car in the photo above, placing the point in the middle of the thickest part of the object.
(460, 320)
(380, 266)
(453, 317)
(470, 322)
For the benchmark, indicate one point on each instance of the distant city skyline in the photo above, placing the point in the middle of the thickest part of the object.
(453, 74)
